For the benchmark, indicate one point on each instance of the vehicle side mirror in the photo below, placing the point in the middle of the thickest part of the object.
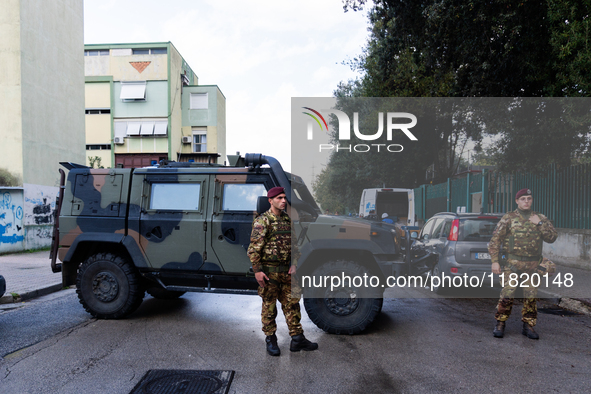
(426, 237)
(414, 235)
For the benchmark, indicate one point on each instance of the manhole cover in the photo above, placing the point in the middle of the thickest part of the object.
(171, 381)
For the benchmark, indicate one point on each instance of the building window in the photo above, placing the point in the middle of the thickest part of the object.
(133, 128)
(97, 111)
(98, 147)
(147, 128)
(161, 128)
(200, 140)
(100, 52)
(198, 101)
(133, 91)
(121, 52)
(149, 51)
(141, 127)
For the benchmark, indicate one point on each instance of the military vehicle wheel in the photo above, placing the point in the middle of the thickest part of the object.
(341, 310)
(163, 294)
(108, 286)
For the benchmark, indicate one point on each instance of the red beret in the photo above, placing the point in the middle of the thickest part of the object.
(523, 192)
(274, 192)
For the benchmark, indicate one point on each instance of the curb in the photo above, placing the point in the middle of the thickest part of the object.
(575, 306)
(9, 298)
(567, 303)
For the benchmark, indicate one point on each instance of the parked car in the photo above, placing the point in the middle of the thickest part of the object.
(460, 241)
(2, 285)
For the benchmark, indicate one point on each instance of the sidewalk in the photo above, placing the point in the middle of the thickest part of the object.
(28, 275)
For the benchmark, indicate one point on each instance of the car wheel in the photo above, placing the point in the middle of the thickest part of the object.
(109, 286)
(163, 294)
(341, 310)
(436, 272)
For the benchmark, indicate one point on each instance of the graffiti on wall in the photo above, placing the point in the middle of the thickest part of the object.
(11, 216)
(39, 205)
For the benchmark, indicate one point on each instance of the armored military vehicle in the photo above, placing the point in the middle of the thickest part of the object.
(184, 227)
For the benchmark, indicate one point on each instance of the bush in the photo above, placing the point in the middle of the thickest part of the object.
(8, 179)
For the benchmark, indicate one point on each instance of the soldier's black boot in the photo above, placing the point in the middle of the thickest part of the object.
(529, 331)
(299, 342)
(499, 330)
(272, 347)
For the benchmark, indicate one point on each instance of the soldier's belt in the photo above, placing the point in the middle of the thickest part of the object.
(524, 258)
(270, 268)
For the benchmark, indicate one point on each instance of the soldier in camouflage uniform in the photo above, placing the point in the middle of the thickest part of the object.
(270, 255)
(520, 234)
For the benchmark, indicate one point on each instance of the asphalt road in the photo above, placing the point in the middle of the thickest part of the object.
(416, 345)
(25, 324)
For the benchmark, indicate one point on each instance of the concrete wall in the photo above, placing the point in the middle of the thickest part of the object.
(11, 148)
(121, 68)
(39, 210)
(26, 217)
(11, 220)
(41, 110)
(175, 86)
(97, 94)
(156, 103)
(52, 82)
(221, 126)
(572, 248)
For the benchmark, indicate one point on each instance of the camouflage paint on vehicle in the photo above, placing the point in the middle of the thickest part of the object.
(184, 227)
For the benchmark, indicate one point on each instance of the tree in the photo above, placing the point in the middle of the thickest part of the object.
(457, 48)
(8, 179)
(95, 160)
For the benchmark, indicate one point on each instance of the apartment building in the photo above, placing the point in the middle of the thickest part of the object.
(144, 104)
(41, 113)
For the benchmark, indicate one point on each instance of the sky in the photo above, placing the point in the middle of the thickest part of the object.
(260, 53)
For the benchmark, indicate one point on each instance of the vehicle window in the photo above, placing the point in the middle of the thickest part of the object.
(446, 229)
(175, 196)
(242, 197)
(477, 229)
(437, 228)
(427, 228)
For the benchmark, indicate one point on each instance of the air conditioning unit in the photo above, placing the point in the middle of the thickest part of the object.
(119, 140)
(186, 140)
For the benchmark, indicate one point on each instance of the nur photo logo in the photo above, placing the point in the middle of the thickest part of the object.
(392, 120)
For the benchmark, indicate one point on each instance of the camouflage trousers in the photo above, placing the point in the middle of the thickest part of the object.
(279, 289)
(529, 313)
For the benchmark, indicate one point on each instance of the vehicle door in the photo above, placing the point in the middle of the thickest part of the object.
(233, 214)
(173, 230)
(428, 235)
(437, 239)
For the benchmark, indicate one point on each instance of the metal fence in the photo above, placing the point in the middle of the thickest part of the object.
(564, 195)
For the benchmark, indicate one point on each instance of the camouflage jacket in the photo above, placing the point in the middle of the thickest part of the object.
(519, 236)
(270, 241)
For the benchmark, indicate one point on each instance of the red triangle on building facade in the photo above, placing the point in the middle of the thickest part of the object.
(140, 66)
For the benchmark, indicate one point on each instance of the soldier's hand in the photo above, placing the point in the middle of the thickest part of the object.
(292, 270)
(496, 268)
(535, 219)
(261, 277)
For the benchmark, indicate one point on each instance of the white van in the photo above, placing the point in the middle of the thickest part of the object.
(397, 203)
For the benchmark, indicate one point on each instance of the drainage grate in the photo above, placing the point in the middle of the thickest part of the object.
(173, 381)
